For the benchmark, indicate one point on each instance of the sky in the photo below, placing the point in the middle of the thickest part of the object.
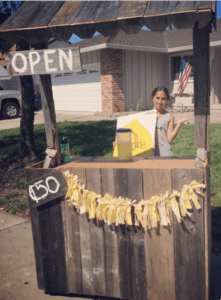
(75, 38)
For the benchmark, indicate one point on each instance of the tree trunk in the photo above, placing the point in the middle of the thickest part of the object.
(27, 143)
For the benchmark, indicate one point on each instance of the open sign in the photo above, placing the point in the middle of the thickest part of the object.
(46, 61)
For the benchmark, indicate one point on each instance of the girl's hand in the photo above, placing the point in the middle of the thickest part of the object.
(183, 120)
(114, 144)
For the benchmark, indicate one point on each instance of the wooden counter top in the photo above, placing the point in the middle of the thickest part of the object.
(135, 163)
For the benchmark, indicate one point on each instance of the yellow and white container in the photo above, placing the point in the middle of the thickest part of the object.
(124, 143)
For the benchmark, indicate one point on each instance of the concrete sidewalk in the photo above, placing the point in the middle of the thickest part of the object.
(18, 279)
(62, 116)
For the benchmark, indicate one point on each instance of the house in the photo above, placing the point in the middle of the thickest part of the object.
(120, 70)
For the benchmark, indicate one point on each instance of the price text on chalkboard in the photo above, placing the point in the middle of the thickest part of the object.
(47, 61)
(46, 188)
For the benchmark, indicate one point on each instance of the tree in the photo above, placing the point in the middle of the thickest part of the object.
(27, 144)
(7, 8)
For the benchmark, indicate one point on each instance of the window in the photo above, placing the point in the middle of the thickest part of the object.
(175, 66)
(83, 72)
(93, 71)
(68, 74)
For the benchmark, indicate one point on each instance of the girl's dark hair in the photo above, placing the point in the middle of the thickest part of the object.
(161, 88)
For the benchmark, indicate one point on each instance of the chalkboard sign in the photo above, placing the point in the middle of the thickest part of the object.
(47, 61)
(46, 188)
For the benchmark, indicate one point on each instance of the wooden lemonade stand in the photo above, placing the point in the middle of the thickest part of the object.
(79, 255)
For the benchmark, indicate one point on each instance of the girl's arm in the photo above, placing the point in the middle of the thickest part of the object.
(171, 131)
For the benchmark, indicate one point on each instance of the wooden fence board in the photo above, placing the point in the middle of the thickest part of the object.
(30, 175)
(53, 246)
(124, 255)
(131, 243)
(85, 243)
(110, 241)
(189, 247)
(138, 264)
(207, 222)
(123, 236)
(159, 243)
(97, 237)
(86, 257)
(72, 247)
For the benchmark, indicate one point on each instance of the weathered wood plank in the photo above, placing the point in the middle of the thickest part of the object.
(72, 248)
(66, 13)
(159, 243)
(108, 11)
(30, 175)
(189, 244)
(86, 257)
(87, 12)
(97, 237)
(131, 243)
(110, 241)
(39, 14)
(201, 84)
(138, 261)
(132, 9)
(49, 111)
(124, 238)
(44, 61)
(83, 231)
(53, 246)
(207, 222)
(154, 8)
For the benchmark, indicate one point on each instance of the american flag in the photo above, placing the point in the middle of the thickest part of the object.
(185, 72)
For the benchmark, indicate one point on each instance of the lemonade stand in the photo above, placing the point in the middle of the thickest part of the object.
(103, 227)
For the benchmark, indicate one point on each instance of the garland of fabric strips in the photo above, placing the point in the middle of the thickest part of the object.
(149, 213)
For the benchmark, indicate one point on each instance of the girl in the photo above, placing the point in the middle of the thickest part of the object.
(165, 132)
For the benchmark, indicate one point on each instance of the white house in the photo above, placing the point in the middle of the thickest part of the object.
(119, 70)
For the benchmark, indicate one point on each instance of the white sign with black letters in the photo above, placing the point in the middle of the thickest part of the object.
(47, 61)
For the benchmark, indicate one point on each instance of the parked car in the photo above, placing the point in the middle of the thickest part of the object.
(10, 103)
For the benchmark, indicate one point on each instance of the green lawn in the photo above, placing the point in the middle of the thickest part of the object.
(95, 139)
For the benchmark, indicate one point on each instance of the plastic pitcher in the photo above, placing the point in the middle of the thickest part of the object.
(65, 149)
(124, 143)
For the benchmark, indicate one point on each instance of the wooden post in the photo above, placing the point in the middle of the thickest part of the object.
(202, 126)
(49, 109)
(201, 86)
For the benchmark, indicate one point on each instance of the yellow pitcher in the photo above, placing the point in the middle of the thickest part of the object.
(124, 143)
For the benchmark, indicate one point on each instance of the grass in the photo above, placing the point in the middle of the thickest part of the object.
(183, 145)
(95, 139)
(15, 202)
(85, 138)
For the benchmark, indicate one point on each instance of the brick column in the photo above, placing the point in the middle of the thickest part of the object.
(112, 80)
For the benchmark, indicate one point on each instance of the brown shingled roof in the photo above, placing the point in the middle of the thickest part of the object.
(165, 40)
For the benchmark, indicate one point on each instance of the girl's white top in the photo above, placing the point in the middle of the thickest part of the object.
(162, 146)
